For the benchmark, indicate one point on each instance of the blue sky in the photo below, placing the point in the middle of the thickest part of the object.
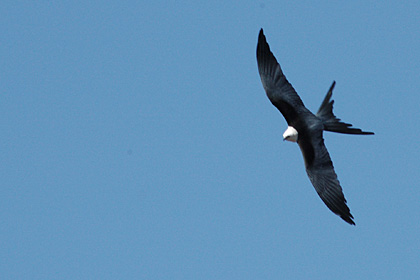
(138, 143)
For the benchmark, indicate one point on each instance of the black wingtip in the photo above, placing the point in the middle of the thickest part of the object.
(261, 38)
(348, 219)
(264, 54)
(332, 86)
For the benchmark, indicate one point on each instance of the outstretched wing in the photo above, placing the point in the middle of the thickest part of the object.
(320, 170)
(278, 89)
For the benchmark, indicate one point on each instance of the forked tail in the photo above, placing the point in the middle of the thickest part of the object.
(331, 122)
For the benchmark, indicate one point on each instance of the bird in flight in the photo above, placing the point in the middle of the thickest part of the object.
(306, 129)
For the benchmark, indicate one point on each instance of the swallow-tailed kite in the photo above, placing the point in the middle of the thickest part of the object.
(306, 129)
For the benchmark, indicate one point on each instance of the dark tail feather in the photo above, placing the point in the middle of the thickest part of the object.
(331, 122)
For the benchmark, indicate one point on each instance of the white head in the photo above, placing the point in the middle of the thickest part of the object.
(290, 134)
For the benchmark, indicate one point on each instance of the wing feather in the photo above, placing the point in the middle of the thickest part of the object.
(324, 179)
(280, 92)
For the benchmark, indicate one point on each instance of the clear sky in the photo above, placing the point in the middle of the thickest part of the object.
(137, 141)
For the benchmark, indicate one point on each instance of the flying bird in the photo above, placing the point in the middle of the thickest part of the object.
(306, 129)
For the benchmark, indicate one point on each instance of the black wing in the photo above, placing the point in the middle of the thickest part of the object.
(320, 170)
(278, 89)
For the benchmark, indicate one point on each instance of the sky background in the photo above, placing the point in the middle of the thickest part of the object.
(137, 141)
